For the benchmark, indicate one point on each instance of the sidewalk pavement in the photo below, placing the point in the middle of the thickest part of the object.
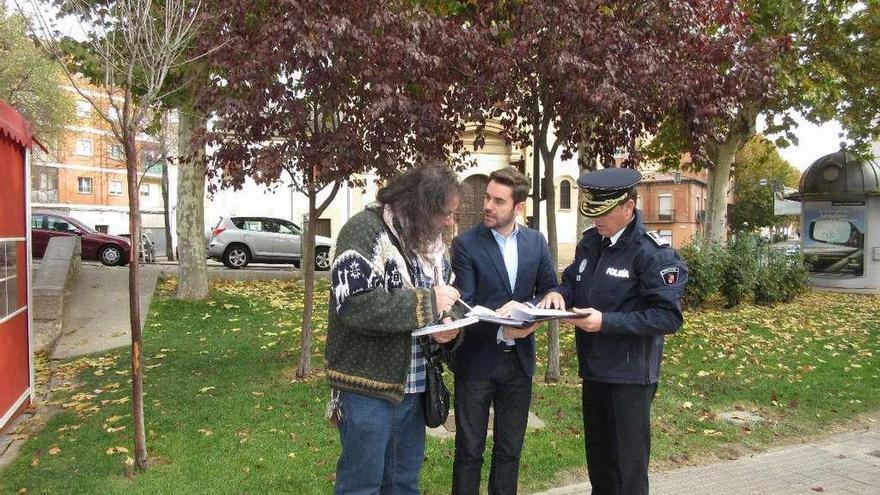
(844, 464)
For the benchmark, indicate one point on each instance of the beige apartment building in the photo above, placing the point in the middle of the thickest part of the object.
(83, 174)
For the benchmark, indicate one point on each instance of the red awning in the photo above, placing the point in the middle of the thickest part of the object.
(13, 126)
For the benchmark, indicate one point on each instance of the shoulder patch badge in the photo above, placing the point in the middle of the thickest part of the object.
(669, 275)
(659, 240)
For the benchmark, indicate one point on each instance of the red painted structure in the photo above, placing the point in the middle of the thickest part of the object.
(16, 353)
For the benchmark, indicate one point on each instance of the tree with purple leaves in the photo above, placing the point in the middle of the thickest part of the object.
(322, 91)
(598, 76)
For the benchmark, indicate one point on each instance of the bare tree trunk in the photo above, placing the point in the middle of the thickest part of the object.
(137, 379)
(307, 266)
(536, 171)
(722, 154)
(719, 179)
(166, 215)
(192, 270)
(166, 206)
(549, 190)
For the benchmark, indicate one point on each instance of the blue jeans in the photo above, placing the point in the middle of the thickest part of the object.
(383, 445)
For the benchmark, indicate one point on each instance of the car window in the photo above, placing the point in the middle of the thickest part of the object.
(270, 225)
(251, 224)
(38, 222)
(59, 224)
(288, 228)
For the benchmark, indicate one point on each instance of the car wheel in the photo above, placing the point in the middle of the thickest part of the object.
(322, 259)
(236, 256)
(111, 255)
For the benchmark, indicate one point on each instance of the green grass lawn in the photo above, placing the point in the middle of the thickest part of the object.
(224, 414)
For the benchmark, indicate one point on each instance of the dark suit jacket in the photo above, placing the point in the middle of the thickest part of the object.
(481, 277)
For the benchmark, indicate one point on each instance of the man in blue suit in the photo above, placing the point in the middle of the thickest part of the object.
(498, 264)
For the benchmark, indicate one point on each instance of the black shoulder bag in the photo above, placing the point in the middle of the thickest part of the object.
(435, 399)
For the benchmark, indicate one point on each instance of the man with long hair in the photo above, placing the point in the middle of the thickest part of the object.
(389, 277)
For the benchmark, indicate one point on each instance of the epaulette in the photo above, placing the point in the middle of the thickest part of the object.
(659, 240)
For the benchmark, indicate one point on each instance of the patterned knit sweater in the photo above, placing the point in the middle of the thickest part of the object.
(372, 312)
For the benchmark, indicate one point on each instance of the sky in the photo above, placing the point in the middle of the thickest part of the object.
(814, 141)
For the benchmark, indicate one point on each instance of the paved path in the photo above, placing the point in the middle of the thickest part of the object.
(96, 311)
(844, 464)
(96, 316)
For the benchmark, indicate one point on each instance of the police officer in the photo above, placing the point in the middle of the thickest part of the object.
(628, 283)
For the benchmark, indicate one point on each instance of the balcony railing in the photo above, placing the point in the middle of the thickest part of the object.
(44, 196)
(657, 216)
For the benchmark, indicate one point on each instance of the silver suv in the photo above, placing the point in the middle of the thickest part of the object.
(237, 241)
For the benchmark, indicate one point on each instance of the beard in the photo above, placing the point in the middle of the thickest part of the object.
(497, 221)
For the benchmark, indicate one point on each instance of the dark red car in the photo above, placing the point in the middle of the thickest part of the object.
(109, 249)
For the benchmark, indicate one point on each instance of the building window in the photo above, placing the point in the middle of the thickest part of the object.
(84, 185)
(665, 212)
(145, 190)
(116, 152)
(9, 253)
(83, 109)
(565, 195)
(44, 184)
(115, 188)
(84, 147)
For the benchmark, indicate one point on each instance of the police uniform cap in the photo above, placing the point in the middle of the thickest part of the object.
(606, 189)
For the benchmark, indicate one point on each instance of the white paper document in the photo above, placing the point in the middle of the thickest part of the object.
(442, 327)
(521, 317)
(532, 313)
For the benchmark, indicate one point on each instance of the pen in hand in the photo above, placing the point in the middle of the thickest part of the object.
(466, 305)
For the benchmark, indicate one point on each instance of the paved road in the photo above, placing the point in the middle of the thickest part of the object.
(843, 464)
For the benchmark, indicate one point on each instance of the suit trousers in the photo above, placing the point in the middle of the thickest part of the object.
(509, 389)
(617, 427)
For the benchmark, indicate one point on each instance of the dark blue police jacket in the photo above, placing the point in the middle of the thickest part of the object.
(481, 277)
(637, 284)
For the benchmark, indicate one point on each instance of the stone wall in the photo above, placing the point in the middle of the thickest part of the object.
(52, 281)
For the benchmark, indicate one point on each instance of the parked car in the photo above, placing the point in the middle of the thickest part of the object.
(110, 250)
(237, 241)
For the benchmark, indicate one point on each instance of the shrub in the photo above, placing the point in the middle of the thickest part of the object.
(704, 271)
(783, 277)
(740, 263)
(796, 278)
(770, 280)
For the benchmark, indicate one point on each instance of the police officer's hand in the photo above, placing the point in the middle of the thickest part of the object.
(590, 323)
(444, 297)
(447, 335)
(504, 311)
(553, 300)
(518, 333)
